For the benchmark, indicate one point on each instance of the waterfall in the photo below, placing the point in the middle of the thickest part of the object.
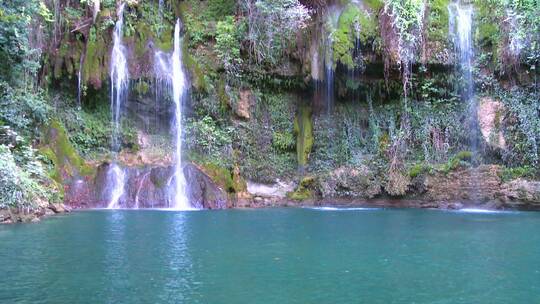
(119, 85)
(119, 76)
(170, 76)
(331, 26)
(160, 8)
(79, 82)
(329, 74)
(180, 87)
(116, 178)
(460, 29)
(141, 184)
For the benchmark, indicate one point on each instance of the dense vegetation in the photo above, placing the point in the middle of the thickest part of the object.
(260, 85)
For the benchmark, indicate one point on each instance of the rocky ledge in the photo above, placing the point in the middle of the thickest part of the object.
(149, 186)
(26, 215)
(146, 186)
(480, 187)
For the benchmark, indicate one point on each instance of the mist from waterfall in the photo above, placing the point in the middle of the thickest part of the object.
(119, 78)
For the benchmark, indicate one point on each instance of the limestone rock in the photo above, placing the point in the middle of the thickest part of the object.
(148, 187)
(243, 104)
(277, 190)
(489, 118)
(358, 182)
(466, 184)
(522, 193)
(202, 191)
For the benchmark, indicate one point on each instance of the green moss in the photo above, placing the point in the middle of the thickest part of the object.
(461, 159)
(96, 54)
(345, 35)
(197, 73)
(303, 129)
(509, 174)
(375, 5)
(438, 21)
(419, 169)
(142, 87)
(165, 42)
(221, 176)
(142, 35)
(65, 158)
(488, 31)
(304, 191)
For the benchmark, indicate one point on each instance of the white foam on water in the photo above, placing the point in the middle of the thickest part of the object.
(484, 211)
(342, 208)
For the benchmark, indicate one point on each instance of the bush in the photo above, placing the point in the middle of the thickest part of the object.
(204, 136)
(508, 174)
(228, 35)
(461, 159)
(23, 185)
(24, 111)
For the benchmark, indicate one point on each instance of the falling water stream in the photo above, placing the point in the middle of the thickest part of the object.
(170, 76)
(179, 84)
(119, 85)
(331, 26)
(460, 27)
(119, 77)
(79, 82)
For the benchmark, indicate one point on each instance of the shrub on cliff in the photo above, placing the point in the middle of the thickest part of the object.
(23, 182)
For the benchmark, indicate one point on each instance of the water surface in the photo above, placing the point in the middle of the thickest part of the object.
(273, 256)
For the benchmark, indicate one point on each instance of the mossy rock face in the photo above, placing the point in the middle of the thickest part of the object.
(96, 62)
(67, 162)
(353, 23)
(303, 129)
(223, 177)
(344, 36)
(305, 191)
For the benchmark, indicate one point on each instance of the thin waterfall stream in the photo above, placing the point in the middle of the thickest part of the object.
(180, 87)
(119, 78)
(171, 77)
(460, 29)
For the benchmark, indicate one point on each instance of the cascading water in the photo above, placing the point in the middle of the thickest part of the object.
(179, 84)
(139, 188)
(331, 25)
(460, 28)
(79, 82)
(170, 76)
(119, 76)
(116, 178)
(119, 85)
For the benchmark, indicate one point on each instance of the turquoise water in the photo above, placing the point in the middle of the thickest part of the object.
(273, 256)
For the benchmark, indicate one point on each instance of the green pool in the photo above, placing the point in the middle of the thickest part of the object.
(273, 256)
